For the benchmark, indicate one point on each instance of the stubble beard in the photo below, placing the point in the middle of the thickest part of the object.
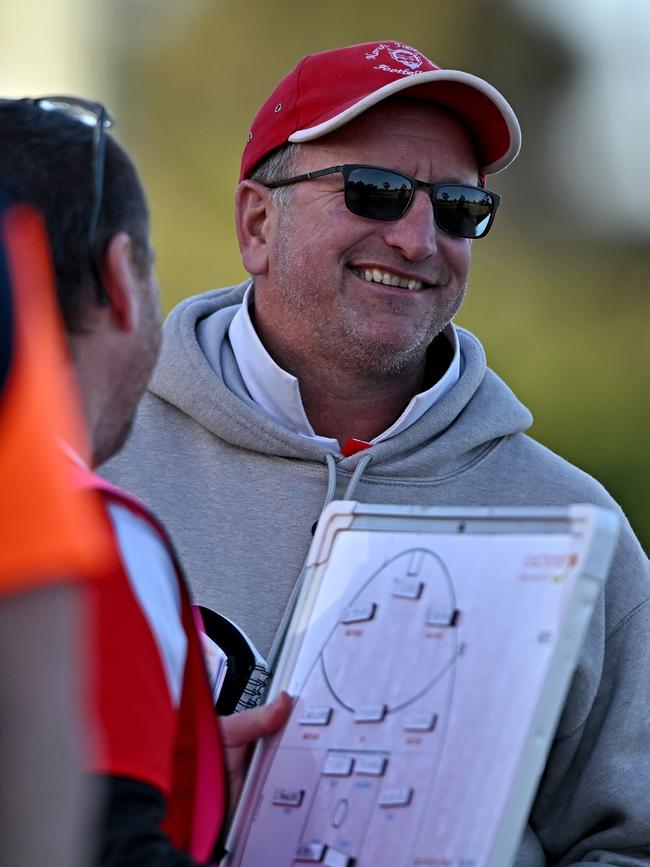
(128, 389)
(377, 359)
(340, 344)
(335, 339)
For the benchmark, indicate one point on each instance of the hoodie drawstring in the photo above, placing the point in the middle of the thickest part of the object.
(356, 476)
(330, 462)
(359, 470)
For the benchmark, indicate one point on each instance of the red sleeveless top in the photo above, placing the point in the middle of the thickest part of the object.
(176, 749)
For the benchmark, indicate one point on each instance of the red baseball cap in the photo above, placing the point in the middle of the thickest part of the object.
(327, 90)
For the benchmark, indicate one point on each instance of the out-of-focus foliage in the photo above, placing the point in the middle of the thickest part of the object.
(569, 330)
(565, 322)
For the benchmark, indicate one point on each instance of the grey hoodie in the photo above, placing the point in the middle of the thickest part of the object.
(240, 494)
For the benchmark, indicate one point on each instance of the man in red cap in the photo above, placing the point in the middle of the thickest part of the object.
(336, 371)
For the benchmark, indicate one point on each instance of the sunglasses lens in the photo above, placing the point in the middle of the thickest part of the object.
(463, 211)
(377, 194)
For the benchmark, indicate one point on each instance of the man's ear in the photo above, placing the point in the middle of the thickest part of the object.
(253, 217)
(121, 281)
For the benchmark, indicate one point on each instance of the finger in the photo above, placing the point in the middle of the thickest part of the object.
(277, 712)
(249, 725)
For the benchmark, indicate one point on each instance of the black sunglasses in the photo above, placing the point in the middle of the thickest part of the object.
(92, 114)
(383, 194)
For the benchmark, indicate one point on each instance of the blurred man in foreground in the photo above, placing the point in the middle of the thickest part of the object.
(159, 755)
(48, 542)
(336, 370)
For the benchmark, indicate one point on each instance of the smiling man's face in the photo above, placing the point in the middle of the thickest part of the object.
(325, 295)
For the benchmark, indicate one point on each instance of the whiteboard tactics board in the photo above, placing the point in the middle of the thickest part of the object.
(429, 656)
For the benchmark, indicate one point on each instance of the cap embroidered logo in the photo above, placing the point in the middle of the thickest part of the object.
(400, 53)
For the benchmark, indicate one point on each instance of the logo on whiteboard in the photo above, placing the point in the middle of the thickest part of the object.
(408, 58)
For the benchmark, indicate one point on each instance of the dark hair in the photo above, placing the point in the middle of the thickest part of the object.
(46, 161)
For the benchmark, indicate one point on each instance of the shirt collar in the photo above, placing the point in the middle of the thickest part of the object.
(277, 392)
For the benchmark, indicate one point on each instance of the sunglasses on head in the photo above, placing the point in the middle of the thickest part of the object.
(383, 194)
(95, 115)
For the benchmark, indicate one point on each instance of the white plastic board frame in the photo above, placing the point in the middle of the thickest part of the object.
(429, 655)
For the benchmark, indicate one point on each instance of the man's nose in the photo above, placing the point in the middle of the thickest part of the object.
(415, 234)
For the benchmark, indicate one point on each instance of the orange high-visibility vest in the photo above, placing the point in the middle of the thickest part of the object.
(47, 530)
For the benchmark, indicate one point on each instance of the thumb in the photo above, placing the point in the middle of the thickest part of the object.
(250, 725)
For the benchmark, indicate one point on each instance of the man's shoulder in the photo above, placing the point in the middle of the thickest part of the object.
(560, 482)
(552, 476)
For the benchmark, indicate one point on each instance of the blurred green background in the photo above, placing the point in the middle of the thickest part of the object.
(559, 292)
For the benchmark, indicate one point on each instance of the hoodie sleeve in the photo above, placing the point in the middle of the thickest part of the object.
(593, 805)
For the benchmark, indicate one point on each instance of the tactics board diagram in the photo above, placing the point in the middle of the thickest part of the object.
(428, 670)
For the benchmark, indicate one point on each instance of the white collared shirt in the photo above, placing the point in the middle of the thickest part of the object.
(277, 392)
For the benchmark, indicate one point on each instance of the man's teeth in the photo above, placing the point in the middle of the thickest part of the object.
(374, 275)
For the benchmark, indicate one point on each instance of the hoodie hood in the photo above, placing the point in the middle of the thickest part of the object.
(480, 406)
(241, 495)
